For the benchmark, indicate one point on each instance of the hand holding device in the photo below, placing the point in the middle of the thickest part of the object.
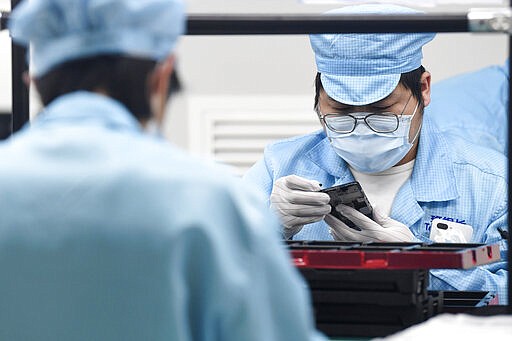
(381, 229)
(350, 194)
(298, 202)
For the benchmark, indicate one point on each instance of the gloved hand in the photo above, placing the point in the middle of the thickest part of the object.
(298, 202)
(381, 229)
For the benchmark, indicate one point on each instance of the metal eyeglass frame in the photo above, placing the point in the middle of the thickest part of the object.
(397, 117)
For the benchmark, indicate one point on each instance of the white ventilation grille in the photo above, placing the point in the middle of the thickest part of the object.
(234, 130)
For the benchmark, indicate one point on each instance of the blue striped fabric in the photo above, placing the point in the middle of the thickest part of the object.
(347, 60)
(474, 106)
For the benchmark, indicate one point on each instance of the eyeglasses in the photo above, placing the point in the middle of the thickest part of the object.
(385, 122)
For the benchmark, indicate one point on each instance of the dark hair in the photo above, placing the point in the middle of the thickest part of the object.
(125, 79)
(410, 80)
(175, 85)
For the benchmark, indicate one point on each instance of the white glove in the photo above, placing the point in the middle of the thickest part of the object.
(298, 202)
(383, 229)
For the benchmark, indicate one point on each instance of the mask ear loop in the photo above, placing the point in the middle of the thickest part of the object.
(421, 124)
(405, 107)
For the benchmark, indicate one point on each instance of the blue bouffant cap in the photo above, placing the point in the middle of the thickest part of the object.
(359, 69)
(63, 30)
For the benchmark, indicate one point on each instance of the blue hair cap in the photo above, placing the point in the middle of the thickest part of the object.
(59, 31)
(362, 68)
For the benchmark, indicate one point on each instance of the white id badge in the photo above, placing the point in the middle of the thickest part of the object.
(444, 231)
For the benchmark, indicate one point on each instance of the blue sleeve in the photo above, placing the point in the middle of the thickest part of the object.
(492, 277)
(473, 106)
(278, 307)
(260, 175)
(242, 279)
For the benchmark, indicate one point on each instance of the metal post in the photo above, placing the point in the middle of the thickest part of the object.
(20, 94)
(3, 20)
(509, 261)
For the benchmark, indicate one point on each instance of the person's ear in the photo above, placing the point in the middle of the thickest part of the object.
(425, 87)
(161, 75)
(159, 81)
(27, 80)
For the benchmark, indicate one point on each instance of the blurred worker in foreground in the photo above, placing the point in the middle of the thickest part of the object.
(371, 91)
(109, 233)
(474, 106)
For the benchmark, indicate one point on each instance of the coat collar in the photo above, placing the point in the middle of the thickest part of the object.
(433, 177)
(324, 156)
(88, 108)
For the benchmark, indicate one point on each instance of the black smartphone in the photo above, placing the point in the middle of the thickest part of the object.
(350, 194)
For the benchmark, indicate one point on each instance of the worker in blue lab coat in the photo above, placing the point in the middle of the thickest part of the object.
(474, 106)
(371, 91)
(110, 233)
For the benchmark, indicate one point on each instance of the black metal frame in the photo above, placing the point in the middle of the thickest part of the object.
(286, 24)
(3, 20)
(509, 173)
(243, 24)
(20, 92)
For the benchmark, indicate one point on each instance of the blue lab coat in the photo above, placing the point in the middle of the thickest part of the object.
(107, 233)
(452, 179)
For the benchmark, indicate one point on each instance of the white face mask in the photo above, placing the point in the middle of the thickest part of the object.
(371, 152)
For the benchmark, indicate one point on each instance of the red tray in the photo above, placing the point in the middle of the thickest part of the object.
(342, 255)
